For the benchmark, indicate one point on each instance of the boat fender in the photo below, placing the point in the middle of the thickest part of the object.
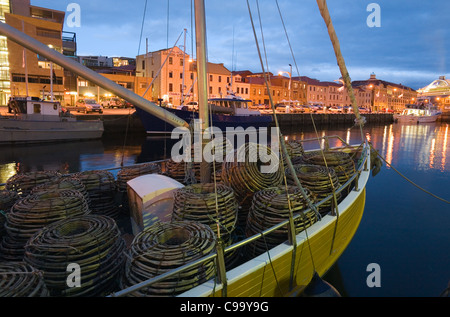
(320, 288)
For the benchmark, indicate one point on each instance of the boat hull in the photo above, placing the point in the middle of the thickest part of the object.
(21, 131)
(415, 119)
(154, 125)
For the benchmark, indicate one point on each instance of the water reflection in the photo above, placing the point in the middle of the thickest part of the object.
(412, 245)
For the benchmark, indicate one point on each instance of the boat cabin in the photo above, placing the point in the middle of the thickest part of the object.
(35, 108)
(236, 105)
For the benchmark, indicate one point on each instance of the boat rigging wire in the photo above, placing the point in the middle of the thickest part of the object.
(407, 179)
(281, 140)
(142, 28)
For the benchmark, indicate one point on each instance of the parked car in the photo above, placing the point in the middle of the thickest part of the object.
(335, 109)
(112, 103)
(316, 108)
(302, 108)
(88, 105)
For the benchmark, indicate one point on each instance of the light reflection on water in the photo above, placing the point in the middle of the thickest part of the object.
(403, 229)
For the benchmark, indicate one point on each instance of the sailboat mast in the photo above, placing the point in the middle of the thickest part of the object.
(200, 34)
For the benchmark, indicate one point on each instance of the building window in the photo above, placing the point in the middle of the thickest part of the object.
(210, 77)
(143, 64)
(220, 79)
(170, 74)
(170, 61)
(48, 33)
(210, 90)
(170, 87)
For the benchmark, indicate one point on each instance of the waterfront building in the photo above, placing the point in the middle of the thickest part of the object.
(387, 96)
(437, 92)
(175, 76)
(283, 89)
(23, 73)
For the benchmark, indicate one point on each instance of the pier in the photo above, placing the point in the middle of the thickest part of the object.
(120, 123)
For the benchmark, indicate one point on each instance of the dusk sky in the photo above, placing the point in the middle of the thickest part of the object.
(410, 46)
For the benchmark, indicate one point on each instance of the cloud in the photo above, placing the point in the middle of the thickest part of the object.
(413, 40)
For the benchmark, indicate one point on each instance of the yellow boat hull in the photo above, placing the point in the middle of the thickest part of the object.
(317, 250)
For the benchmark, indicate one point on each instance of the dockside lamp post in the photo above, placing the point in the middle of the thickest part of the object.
(290, 80)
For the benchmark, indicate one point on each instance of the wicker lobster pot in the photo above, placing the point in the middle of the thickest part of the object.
(341, 162)
(214, 153)
(319, 180)
(212, 205)
(101, 187)
(19, 279)
(165, 246)
(93, 242)
(33, 213)
(63, 183)
(272, 206)
(25, 182)
(7, 199)
(243, 172)
(295, 151)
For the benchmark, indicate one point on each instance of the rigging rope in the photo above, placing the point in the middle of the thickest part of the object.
(281, 140)
(407, 179)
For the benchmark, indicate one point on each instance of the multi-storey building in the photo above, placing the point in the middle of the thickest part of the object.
(282, 89)
(174, 76)
(386, 95)
(374, 94)
(31, 74)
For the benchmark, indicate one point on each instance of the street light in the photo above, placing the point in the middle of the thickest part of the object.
(290, 80)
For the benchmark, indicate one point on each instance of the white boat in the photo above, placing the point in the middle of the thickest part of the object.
(35, 120)
(418, 114)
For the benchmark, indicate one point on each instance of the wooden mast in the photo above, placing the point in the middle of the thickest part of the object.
(200, 33)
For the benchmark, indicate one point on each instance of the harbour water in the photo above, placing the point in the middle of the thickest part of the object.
(404, 230)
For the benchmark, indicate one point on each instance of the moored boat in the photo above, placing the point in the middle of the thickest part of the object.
(418, 113)
(227, 112)
(35, 120)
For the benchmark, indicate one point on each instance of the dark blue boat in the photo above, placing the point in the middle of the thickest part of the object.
(230, 112)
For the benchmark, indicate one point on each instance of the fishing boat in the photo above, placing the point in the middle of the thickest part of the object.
(418, 113)
(296, 216)
(34, 120)
(231, 111)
